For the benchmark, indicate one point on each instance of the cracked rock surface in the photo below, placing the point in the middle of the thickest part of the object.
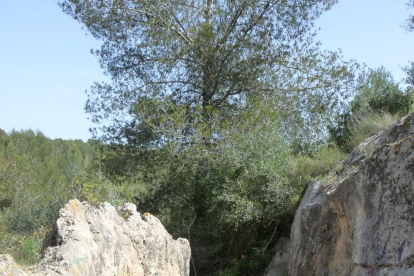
(107, 241)
(360, 219)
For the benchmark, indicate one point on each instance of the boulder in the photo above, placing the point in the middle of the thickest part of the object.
(359, 220)
(106, 241)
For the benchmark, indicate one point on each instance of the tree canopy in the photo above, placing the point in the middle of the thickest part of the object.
(205, 54)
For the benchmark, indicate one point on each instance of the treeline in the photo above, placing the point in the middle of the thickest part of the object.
(37, 176)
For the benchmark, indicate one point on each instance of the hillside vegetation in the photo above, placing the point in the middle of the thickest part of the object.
(233, 200)
(37, 176)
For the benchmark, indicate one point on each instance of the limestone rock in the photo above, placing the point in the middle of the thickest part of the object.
(9, 268)
(105, 241)
(279, 266)
(360, 219)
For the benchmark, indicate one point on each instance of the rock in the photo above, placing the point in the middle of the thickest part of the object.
(9, 268)
(360, 221)
(279, 266)
(102, 240)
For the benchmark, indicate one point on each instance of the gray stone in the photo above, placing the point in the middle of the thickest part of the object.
(279, 266)
(361, 221)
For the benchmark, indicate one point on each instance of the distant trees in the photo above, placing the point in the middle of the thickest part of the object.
(37, 176)
(372, 109)
(409, 69)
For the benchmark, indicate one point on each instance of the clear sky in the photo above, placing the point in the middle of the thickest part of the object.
(46, 65)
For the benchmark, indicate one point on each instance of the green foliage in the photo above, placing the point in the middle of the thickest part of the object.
(409, 70)
(366, 124)
(378, 102)
(228, 191)
(28, 250)
(249, 264)
(381, 93)
(204, 102)
(196, 55)
(255, 188)
(38, 176)
(306, 168)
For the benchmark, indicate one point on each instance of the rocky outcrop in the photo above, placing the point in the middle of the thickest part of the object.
(359, 220)
(104, 240)
(8, 267)
(279, 266)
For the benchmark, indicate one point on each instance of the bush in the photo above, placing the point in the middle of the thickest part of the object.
(256, 187)
(306, 168)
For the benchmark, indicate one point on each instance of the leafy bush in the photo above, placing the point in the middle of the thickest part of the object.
(226, 195)
(28, 250)
(256, 187)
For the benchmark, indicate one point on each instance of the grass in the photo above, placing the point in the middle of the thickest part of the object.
(304, 169)
(366, 124)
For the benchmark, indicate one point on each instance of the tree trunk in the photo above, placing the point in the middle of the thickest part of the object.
(209, 11)
(207, 70)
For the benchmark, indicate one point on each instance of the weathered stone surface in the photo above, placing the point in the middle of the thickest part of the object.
(102, 240)
(360, 219)
(9, 268)
(279, 266)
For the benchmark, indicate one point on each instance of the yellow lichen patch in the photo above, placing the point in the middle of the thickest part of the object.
(147, 214)
(73, 205)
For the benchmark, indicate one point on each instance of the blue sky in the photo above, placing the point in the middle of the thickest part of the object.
(46, 65)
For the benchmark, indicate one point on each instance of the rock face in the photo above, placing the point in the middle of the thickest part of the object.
(9, 268)
(279, 266)
(360, 219)
(104, 240)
